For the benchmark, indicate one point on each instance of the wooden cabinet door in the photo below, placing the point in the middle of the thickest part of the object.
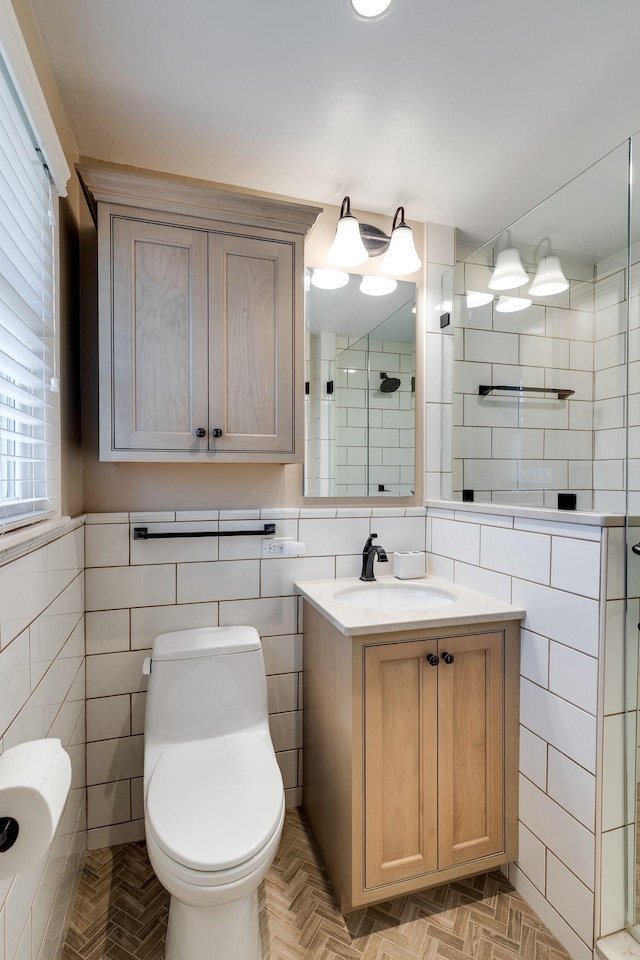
(251, 345)
(400, 738)
(159, 366)
(470, 748)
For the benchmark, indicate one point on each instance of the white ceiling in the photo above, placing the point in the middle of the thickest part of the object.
(468, 112)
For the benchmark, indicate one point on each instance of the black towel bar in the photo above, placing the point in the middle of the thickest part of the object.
(142, 533)
(485, 389)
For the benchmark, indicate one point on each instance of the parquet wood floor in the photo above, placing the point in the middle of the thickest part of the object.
(121, 911)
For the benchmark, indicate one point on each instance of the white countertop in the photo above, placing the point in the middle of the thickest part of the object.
(468, 606)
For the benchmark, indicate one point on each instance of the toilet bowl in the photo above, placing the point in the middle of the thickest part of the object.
(213, 792)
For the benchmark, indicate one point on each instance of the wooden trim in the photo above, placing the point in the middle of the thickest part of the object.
(163, 193)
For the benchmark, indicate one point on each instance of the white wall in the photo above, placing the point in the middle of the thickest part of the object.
(42, 694)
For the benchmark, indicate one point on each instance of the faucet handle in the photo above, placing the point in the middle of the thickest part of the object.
(370, 540)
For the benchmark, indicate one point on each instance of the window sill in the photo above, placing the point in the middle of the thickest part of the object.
(27, 539)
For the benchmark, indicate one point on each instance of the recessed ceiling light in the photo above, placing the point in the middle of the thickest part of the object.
(370, 8)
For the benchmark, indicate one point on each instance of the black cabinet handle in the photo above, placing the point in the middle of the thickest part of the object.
(216, 432)
(636, 548)
(432, 659)
(201, 432)
(448, 657)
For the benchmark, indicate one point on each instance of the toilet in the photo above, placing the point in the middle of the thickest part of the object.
(213, 792)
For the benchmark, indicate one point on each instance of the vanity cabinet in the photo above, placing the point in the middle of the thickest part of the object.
(410, 754)
(200, 320)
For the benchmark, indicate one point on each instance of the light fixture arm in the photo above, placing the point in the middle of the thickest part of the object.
(546, 240)
(402, 223)
(345, 209)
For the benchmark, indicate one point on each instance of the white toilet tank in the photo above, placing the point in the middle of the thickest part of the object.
(204, 683)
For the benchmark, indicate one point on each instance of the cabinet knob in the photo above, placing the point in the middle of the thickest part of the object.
(432, 659)
(201, 432)
(216, 432)
(448, 657)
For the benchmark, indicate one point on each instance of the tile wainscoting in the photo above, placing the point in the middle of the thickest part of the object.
(138, 589)
(42, 694)
(569, 578)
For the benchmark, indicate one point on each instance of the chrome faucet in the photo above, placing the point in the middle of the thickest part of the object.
(369, 553)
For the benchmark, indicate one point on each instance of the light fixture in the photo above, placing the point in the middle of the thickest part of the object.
(377, 286)
(477, 299)
(508, 271)
(355, 242)
(402, 257)
(329, 279)
(549, 278)
(370, 8)
(512, 304)
(347, 249)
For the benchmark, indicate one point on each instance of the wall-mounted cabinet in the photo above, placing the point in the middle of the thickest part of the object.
(410, 754)
(200, 321)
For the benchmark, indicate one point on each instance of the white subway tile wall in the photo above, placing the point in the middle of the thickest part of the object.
(524, 449)
(568, 578)
(42, 694)
(136, 591)
(363, 439)
(527, 450)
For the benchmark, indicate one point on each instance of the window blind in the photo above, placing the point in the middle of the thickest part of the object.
(29, 435)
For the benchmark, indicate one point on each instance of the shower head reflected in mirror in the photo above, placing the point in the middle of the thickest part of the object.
(388, 384)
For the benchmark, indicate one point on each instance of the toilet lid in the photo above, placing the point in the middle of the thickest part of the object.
(214, 804)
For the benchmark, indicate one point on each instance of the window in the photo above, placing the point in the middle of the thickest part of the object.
(29, 409)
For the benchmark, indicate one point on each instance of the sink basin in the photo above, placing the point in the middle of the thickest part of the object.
(388, 596)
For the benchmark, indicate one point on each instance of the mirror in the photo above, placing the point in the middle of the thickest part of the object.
(360, 389)
(539, 372)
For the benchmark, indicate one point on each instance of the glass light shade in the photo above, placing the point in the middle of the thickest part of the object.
(370, 8)
(347, 249)
(549, 278)
(508, 271)
(512, 304)
(329, 279)
(378, 286)
(402, 257)
(477, 299)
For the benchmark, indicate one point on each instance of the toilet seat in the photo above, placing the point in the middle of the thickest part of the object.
(214, 805)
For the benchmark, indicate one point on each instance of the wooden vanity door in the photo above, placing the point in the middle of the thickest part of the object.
(400, 737)
(470, 743)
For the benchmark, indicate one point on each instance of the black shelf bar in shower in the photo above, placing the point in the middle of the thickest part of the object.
(485, 389)
(142, 533)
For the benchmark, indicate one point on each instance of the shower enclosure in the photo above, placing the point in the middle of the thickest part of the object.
(542, 405)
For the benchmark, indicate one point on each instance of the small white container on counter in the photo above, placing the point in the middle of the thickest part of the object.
(409, 564)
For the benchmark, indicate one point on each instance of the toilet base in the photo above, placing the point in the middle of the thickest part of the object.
(230, 930)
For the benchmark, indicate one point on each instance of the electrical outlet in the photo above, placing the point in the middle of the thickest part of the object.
(274, 547)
